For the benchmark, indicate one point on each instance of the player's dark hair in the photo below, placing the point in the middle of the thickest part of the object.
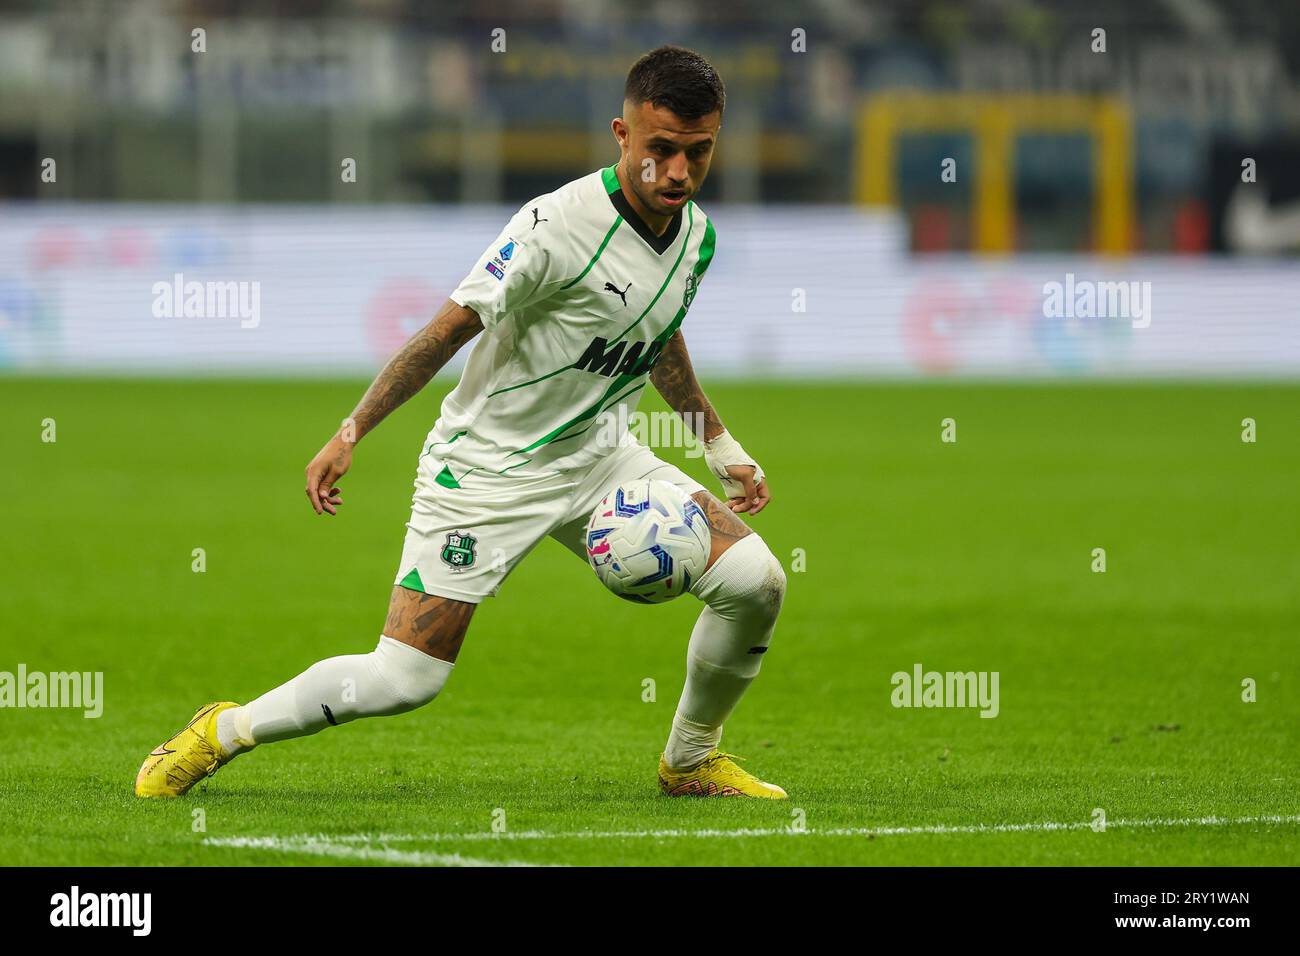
(676, 79)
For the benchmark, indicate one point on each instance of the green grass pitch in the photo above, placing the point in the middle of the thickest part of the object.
(1119, 690)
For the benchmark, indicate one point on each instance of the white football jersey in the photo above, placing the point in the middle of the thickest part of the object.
(577, 298)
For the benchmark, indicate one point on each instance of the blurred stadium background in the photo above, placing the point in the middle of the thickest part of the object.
(843, 250)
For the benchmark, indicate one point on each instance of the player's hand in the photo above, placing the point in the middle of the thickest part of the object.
(330, 464)
(743, 481)
(755, 497)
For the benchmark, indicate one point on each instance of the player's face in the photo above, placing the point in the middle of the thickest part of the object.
(667, 156)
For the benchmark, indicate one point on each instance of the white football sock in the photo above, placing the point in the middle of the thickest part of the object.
(391, 679)
(743, 590)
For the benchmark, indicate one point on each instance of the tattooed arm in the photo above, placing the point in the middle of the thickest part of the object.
(405, 374)
(414, 364)
(674, 377)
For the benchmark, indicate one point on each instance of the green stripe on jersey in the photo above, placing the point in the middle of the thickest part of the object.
(450, 441)
(706, 254)
(542, 378)
(587, 428)
(590, 412)
(608, 236)
(668, 278)
(707, 245)
(609, 176)
(619, 381)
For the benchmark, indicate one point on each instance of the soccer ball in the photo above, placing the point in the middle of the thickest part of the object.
(648, 541)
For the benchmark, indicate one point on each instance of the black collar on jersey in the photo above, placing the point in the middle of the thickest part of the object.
(659, 244)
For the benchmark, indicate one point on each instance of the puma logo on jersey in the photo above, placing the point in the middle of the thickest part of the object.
(621, 293)
(602, 359)
(537, 221)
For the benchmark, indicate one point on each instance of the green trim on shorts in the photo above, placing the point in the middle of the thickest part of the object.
(412, 581)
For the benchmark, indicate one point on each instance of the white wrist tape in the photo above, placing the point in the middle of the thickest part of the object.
(724, 451)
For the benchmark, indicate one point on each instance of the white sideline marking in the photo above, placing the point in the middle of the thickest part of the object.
(342, 845)
(326, 846)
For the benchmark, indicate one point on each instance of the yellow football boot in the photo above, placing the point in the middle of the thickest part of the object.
(182, 761)
(715, 776)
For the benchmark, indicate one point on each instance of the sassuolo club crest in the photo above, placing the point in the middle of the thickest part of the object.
(692, 283)
(458, 552)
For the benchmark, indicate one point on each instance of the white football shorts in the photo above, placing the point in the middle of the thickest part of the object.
(463, 542)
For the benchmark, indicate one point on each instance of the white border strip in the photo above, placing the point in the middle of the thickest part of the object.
(374, 846)
(334, 848)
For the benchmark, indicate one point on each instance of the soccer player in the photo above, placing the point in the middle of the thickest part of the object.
(576, 305)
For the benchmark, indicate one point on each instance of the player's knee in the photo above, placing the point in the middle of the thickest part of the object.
(747, 581)
(771, 593)
(404, 677)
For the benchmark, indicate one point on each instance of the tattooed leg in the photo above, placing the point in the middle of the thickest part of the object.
(408, 668)
(435, 625)
(725, 529)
